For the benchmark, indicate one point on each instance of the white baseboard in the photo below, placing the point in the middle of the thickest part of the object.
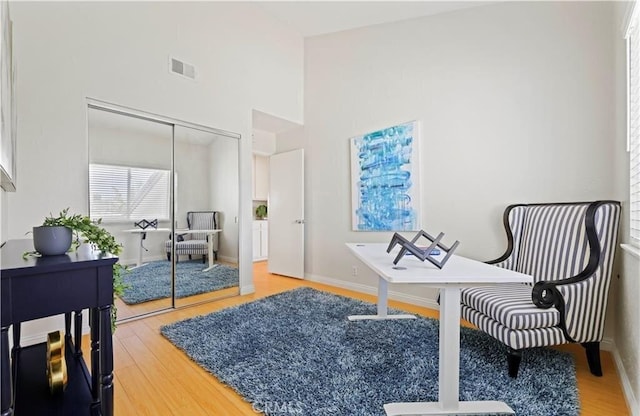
(627, 389)
(228, 259)
(373, 290)
(247, 290)
(607, 344)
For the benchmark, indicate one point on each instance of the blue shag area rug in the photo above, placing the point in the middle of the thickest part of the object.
(296, 353)
(153, 280)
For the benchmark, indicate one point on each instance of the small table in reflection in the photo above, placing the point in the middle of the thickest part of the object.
(143, 234)
(210, 234)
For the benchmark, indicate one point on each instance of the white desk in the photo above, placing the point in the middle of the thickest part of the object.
(457, 273)
(142, 233)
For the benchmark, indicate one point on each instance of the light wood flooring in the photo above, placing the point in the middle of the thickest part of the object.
(152, 377)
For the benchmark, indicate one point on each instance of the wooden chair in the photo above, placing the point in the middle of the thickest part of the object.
(568, 248)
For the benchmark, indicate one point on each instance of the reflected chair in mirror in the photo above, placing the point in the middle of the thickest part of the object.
(568, 248)
(193, 243)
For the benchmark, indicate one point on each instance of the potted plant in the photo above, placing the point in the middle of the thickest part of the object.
(261, 211)
(67, 231)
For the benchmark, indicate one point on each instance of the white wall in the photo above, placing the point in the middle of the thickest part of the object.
(118, 52)
(290, 140)
(626, 288)
(515, 102)
(627, 330)
(264, 142)
(224, 194)
(4, 220)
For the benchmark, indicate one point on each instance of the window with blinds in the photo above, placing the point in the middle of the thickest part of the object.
(633, 122)
(127, 193)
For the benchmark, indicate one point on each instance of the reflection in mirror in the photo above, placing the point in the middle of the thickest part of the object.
(206, 212)
(129, 182)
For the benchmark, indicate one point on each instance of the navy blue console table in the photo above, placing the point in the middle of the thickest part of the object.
(38, 287)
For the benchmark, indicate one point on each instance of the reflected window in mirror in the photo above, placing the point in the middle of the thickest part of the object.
(128, 193)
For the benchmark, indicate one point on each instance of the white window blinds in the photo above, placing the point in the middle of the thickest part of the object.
(633, 122)
(125, 193)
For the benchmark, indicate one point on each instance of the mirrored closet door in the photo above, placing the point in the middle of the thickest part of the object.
(168, 192)
(206, 212)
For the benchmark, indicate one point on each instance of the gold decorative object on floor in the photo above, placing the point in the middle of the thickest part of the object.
(56, 364)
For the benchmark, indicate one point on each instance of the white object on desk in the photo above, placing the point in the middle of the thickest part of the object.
(459, 272)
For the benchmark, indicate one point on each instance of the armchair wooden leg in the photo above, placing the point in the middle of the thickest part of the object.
(513, 359)
(593, 357)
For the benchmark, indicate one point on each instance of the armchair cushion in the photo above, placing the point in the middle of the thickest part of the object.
(511, 306)
(191, 247)
(516, 339)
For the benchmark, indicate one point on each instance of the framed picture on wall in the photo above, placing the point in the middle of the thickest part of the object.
(385, 188)
(8, 113)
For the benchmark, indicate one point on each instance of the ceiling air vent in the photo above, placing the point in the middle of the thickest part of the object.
(182, 68)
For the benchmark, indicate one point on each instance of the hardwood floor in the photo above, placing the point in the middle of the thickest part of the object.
(152, 377)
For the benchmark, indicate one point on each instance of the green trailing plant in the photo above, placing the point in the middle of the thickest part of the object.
(85, 230)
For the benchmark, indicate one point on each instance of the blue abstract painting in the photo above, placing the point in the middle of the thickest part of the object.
(385, 179)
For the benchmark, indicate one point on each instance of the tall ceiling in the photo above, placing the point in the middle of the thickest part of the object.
(312, 18)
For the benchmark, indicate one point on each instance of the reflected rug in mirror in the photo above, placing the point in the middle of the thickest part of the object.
(297, 351)
(153, 280)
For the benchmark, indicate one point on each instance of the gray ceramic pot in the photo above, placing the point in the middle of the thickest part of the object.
(51, 241)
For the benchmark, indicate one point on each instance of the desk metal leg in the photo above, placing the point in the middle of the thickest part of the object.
(140, 249)
(383, 296)
(449, 367)
(210, 253)
(449, 370)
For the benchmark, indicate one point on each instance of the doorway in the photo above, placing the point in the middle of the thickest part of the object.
(278, 190)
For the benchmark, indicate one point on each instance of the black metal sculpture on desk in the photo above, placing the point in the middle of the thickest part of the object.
(422, 253)
(144, 224)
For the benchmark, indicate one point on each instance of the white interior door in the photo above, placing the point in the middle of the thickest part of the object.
(286, 214)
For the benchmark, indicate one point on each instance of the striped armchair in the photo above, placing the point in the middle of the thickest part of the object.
(568, 248)
(196, 243)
